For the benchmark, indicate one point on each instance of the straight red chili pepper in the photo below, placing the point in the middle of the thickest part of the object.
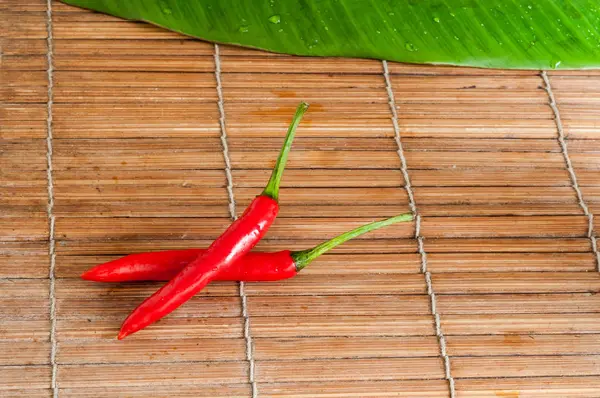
(253, 267)
(241, 236)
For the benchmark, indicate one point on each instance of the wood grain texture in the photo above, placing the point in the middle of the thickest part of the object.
(138, 166)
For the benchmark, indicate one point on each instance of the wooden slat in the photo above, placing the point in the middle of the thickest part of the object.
(338, 305)
(30, 25)
(508, 245)
(34, 288)
(191, 391)
(12, 46)
(150, 351)
(25, 329)
(356, 389)
(526, 366)
(516, 324)
(17, 5)
(343, 347)
(306, 325)
(24, 308)
(128, 63)
(515, 344)
(176, 328)
(23, 229)
(25, 392)
(24, 62)
(531, 387)
(341, 285)
(29, 262)
(506, 262)
(24, 353)
(145, 46)
(519, 303)
(147, 375)
(132, 95)
(517, 282)
(24, 377)
(339, 369)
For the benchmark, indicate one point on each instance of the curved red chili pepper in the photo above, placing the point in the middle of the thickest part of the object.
(253, 267)
(241, 236)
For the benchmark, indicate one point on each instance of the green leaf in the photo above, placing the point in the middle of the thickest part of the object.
(525, 34)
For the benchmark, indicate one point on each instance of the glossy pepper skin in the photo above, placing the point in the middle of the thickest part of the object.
(241, 236)
(163, 266)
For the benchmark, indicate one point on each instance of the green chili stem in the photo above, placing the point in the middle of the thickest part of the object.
(272, 188)
(305, 257)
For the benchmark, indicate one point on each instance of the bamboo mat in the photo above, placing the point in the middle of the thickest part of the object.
(491, 293)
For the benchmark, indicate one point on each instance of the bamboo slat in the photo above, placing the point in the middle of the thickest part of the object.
(17, 377)
(150, 351)
(572, 344)
(138, 375)
(176, 329)
(191, 391)
(352, 326)
(519, 324)
(567, 387)
(344, 347)
(559, 365)
(401, 388)
(355, 370)
(24, 353)
(138, 165)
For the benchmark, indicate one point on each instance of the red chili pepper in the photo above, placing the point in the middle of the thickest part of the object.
(241, 236)
(253, 267)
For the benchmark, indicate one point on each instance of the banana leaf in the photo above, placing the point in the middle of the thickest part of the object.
(523, 34)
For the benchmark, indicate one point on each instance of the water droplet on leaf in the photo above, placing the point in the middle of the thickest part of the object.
(164, 7)
(243, 29)
(436, 19)
(410, 47)
(275, 19)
